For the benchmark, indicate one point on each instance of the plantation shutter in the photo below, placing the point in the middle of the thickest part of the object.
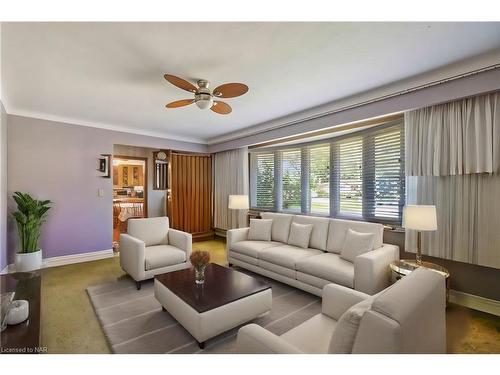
(357, 176)
(263, 180)
(319, 179)
(350, 176)
(291, 177)
(384, 168)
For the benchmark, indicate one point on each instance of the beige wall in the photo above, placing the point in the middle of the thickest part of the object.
(465, 277)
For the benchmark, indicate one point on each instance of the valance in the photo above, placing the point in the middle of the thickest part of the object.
(460, 137)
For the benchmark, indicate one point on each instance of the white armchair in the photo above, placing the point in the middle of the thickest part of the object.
(408, 317)
(150, 248)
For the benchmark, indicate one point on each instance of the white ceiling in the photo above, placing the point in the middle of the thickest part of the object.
(111, 74)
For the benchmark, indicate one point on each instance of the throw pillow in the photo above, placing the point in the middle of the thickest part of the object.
(355, 244)
(300, 235)
(346, 329)
(260, 230)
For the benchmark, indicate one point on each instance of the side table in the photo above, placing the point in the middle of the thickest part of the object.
(404, 267)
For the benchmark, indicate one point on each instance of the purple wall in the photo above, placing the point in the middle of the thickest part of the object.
(57, 161)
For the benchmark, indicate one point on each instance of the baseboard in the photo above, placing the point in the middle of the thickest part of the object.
(67, 259)
(475, 302)
(220, 232)
(8, 269)
(77, 258)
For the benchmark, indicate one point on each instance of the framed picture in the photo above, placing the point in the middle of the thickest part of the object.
(103, 165)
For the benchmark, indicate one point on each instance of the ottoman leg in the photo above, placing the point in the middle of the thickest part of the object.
(138, 285)
(163, 309)
(201, 345)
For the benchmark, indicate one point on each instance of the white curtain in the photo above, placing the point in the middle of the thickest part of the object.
(455, 138)
(453, 162)
(231, 177)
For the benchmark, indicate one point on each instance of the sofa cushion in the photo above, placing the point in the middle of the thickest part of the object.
(355, 244)
(253, 248)
(319, 233)
(153, 230)
(338, 230)
(286, 255)
(163, 256)
(312, 336)
(281, 225)
(260, 230)
(344, 335)
(242, 257)
(300, 235)
(329, 267)
(280, 270)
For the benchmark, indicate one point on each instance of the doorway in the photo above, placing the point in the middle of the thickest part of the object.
(130, 181)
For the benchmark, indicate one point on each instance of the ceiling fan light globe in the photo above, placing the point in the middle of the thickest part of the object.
(204, 101)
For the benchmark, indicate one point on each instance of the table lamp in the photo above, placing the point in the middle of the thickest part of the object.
(238, 202)
(420, 218)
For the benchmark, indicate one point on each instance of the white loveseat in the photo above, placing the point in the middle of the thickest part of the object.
(408, 317)
(320, 264)
(151, 248)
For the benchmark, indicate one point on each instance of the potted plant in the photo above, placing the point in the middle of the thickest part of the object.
(29, 218)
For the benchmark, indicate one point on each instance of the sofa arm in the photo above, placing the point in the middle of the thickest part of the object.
(337, 299)
(181, 240)
(371, 270)
(253, 339)
(132, 256)
(236, 235)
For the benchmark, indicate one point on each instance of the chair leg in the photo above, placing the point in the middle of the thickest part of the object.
(138, 285)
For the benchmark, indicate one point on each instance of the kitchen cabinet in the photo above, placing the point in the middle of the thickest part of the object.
(128, 175)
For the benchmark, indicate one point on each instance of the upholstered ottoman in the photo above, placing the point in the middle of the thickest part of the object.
(227, 299)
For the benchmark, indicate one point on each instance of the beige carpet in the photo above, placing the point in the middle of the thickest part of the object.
(133, 321)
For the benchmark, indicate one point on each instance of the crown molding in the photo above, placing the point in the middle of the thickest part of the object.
(97, 125)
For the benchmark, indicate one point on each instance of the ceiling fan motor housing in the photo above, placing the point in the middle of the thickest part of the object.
(203, 97)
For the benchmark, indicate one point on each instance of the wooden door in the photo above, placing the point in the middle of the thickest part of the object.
(189, 204)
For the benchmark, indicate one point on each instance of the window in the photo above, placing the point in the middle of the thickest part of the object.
(262, 165)
(291, 177)
(359, 175)
(319, 179)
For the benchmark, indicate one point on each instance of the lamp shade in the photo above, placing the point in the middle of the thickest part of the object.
(421, 217)
(238, 202)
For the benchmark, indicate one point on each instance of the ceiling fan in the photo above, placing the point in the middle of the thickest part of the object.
(204, 97)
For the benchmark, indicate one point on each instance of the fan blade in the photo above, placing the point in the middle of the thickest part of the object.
(180, 103)
(221, 108)
(230, 90)
(180, 83)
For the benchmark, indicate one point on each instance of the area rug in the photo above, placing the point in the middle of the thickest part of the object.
(133, 321)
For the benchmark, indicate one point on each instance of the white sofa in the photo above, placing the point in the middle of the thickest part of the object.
(151, 248)
(408, 317)
(312, 268)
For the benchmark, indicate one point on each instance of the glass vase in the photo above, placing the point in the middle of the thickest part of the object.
(199, 274)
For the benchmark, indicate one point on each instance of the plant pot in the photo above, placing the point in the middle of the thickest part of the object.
(26, 262)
